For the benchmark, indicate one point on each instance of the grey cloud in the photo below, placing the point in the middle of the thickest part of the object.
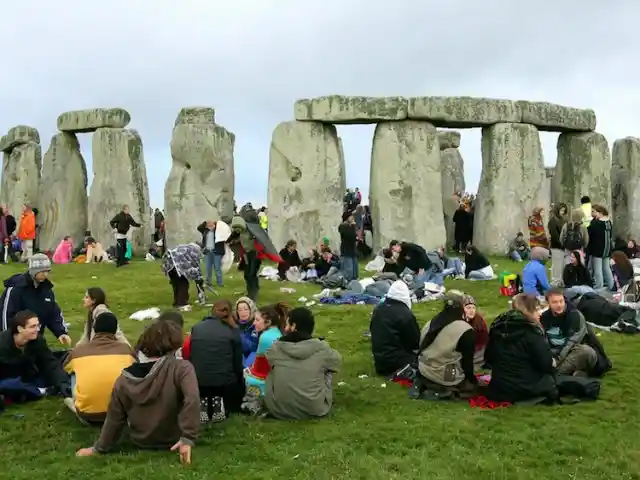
(251, 60)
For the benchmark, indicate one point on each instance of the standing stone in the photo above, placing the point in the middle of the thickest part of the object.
(583, 168)
(18, 135)
(21, 178)
(452, 171)
(448, 139)
(306, 184)
(63, 192)
(343, 166)
(625, 184)
(406, 184)
(196, 116)
(119, 178)
(511, 185)
(200, 185)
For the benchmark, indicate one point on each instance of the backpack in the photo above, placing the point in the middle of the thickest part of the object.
(574, 240)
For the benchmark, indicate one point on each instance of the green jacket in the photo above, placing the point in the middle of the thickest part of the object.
(299, 385)
(246, 239)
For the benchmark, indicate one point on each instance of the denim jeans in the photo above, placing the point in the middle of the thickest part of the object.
(454, 267)
(478, 275)
(349, 268)
(213, 262)
(519, 256)
(431, 276)
(602, 274)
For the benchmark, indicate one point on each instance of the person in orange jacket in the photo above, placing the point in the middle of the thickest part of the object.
(27, 231)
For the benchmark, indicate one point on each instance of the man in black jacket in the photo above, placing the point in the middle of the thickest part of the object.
(415, 258)
(121, 224)
(348, 247)
(28, 369)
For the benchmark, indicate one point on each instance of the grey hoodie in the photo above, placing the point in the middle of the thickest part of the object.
(299, 385)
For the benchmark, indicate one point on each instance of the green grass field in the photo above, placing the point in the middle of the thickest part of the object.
(373, 432)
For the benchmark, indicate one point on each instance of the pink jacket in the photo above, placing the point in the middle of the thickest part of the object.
(63, 253)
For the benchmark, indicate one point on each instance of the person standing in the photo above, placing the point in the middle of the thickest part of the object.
(121, 224)
(599, 247)
(158, 219)
(348, 252)
(27, 232)
(213, 250)
(264, 219)
(556, 224)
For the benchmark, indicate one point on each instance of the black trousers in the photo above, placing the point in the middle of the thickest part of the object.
(121, 251)
(231, 394)
(251, 270)
(180, 287)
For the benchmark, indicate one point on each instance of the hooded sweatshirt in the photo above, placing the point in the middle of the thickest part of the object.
(600, 237)
(160, 402)
(556, 222)
(248, 333)
(534, 274)
(298, 386)
(394, 331)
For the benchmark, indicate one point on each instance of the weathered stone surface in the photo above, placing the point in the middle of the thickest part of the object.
(449, 139)
(406, 185)
(511, 185)
(583, 167)
(463, 112)
(63, 192)
(119, 178)
(549, 173)
(196, 116)
(306, 184)
(18, 135)
(552, 117)
(83, 121)
(200, 185)
(452, 172)
(350, 110)
(343, 166)
(21, 177)
(625, 185)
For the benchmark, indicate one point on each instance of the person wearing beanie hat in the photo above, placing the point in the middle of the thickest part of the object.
(447, 348)
(33, 291)
(479, 325)
(299, 385)
(94, 368)
(534, 274)
(348, 247)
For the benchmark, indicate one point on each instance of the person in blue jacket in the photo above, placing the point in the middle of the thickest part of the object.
(534, 274)
(33, 291)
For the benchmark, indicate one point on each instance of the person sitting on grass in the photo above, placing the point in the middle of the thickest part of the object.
(622, 270)
(327, 261)
(95, 251)
(269, 323)
(447, 349)
(215, 350)
(575, 274)
(28, 369)
(567, 333)
(534, 274)
(245, 314)
(395, 334)
(519, 248)
(290, 258)
(94, 367)
(300, 383)
(477, 265)
(522, 364)
(33, 291)
(95, 301)
(64, 251)
(479, 325)
(157, 398)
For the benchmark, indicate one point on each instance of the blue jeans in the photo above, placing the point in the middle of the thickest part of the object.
(454, 267)
(432, 276)
(602, 274)
(478, 275)
(213, 261)
(349, 268)
(518, 256)
(72, 378)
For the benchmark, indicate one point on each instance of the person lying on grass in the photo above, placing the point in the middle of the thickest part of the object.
(157, 397)
(300, 383)
(28, 370)
(95, 366)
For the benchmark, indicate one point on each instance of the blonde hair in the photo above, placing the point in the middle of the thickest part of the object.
(527, 305)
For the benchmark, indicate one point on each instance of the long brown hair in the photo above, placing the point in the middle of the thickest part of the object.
(276, 314)
(622, 262)
(224, 311)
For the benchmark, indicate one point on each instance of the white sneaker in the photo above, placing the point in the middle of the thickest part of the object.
(185, 308)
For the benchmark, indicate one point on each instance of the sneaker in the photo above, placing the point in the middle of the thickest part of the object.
(204, 415)
(185, 308)
(218, 413)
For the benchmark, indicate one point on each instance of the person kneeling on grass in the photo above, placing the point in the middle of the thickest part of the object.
(477, 266)
(158, 398)
(28, 369)
(395, 334)
(522, 364)
(447, 349)
(302, 367)
(214, 348)
(569, 336)
(95, 366)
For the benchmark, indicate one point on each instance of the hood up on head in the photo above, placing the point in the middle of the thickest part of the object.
(399, 291)
(252, 309)
(558, 207)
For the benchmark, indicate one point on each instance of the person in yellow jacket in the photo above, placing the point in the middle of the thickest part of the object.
(264, 219)
(586, 210)
(27, 231)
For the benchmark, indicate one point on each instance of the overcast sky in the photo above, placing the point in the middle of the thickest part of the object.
(252, 59)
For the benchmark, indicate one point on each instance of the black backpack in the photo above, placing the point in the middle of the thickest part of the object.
(574, 240)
